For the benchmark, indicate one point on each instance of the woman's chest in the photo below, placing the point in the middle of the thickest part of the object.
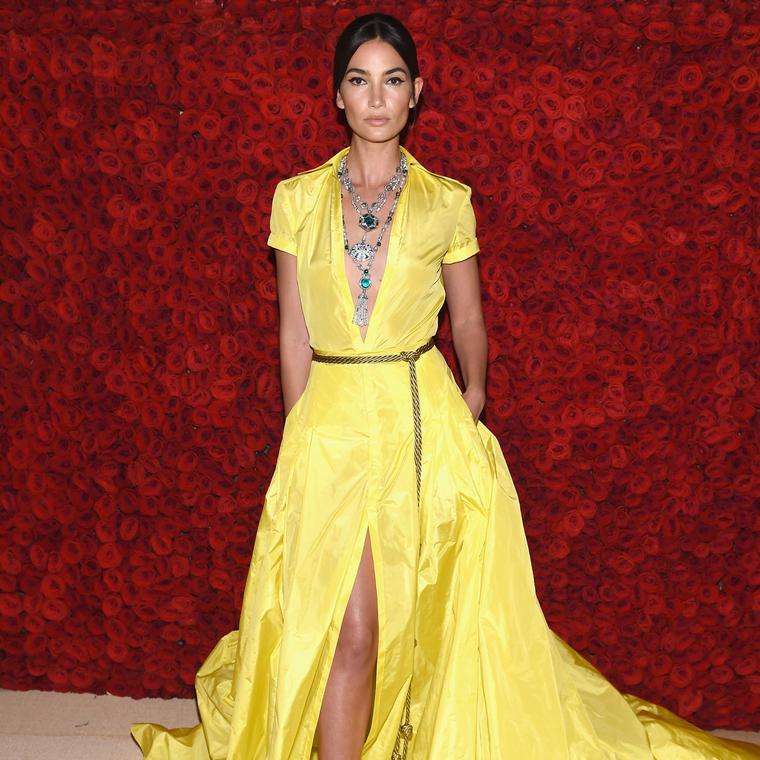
(406, 275)
(413, 243)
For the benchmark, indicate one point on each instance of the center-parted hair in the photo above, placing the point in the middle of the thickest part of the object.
(374, 26)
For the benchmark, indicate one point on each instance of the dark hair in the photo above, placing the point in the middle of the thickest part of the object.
(375, 26)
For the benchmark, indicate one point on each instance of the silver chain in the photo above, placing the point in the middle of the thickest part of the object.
(363, 253)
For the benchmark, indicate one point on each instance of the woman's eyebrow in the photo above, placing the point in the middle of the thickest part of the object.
(385, 73)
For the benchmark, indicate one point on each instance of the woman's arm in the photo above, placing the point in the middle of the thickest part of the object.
(462, 283)
(295, 351)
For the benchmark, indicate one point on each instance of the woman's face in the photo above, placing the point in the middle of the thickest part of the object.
(377, 85)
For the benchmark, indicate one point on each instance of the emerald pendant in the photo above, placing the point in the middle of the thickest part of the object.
(365, 282)
(368, 221)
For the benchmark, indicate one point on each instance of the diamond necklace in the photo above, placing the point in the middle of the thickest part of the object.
(363, 253)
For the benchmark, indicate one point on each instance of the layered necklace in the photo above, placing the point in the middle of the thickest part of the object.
(363, 252)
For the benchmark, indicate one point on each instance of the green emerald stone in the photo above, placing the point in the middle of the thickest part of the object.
(368, 221)
(365, 282)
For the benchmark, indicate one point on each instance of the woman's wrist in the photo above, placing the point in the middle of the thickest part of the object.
(476, 390)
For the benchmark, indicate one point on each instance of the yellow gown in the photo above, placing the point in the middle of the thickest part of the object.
(458, 612)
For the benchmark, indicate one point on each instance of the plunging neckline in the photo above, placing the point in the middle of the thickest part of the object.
(339, 261)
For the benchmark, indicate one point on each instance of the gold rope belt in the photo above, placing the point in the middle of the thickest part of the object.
(410, 357)
(405, 729)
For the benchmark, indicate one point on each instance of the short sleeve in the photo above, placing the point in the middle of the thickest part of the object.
(282, 221)
(465, 242)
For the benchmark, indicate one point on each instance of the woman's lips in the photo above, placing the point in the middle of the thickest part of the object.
(377, 122)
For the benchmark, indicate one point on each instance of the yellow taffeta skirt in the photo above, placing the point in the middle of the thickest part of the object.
(458, 612)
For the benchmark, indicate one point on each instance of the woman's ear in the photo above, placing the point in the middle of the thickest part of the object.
(418, 82)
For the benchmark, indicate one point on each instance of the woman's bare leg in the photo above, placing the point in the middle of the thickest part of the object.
(344, 718)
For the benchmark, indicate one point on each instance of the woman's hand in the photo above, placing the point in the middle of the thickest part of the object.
(476, 400)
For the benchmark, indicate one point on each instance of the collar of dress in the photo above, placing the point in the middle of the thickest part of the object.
(334, 162)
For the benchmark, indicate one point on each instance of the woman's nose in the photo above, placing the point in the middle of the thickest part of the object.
(376, 97)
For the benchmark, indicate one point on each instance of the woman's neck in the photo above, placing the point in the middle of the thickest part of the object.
(371, 165)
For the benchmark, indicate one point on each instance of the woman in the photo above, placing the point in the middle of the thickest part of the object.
(390, 610)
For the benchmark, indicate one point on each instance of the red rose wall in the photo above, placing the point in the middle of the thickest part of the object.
(611, 148)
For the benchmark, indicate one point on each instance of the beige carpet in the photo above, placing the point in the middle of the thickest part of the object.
(44, 725)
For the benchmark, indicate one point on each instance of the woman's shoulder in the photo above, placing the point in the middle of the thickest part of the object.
(305, 177)
(300, 191)
(302, 186)
(444, 184)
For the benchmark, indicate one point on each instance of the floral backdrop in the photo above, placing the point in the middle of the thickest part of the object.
(611, 148)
